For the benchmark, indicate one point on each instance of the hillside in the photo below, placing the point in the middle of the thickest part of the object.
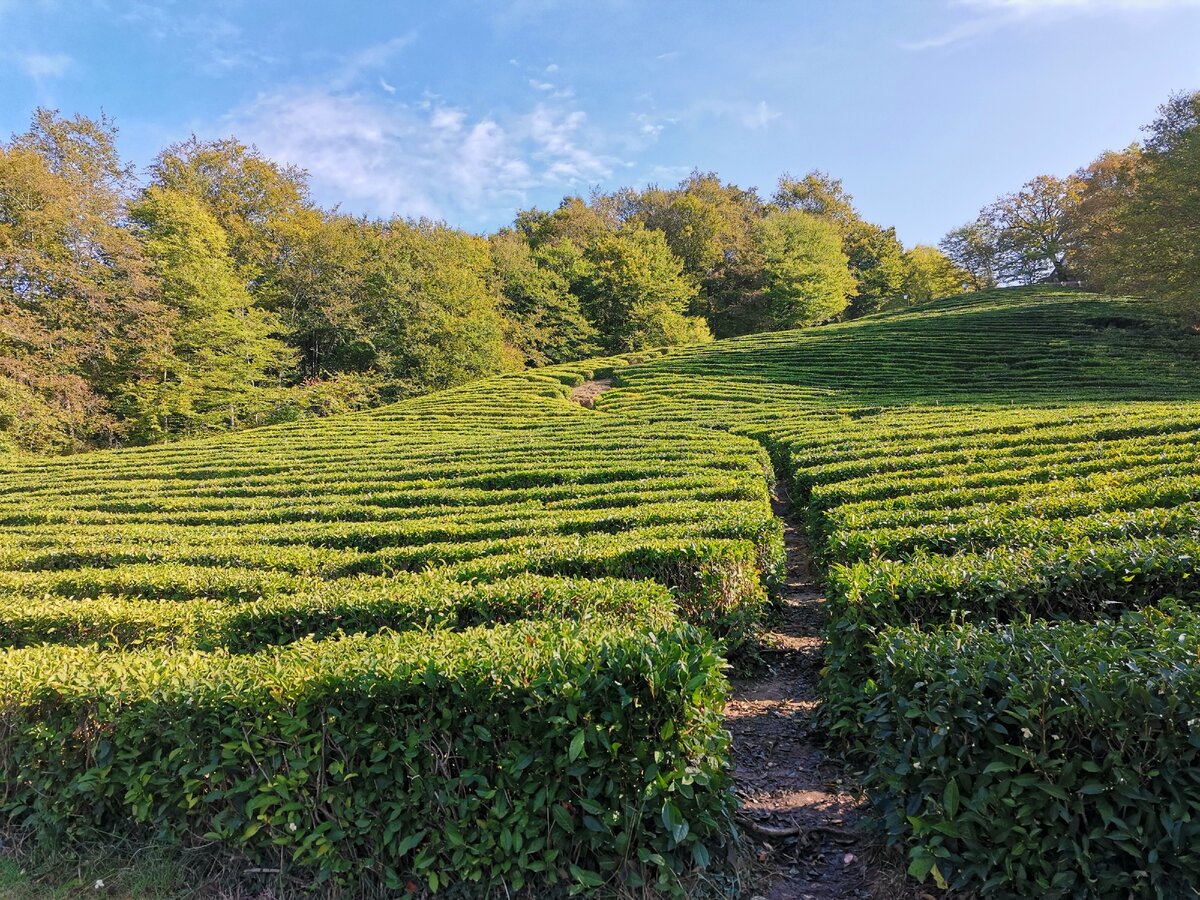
(470, 637)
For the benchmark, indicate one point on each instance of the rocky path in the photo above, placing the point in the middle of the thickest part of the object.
(797, 810)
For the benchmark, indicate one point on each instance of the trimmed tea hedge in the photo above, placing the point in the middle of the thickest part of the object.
(551, 751)
(1084, 582)
(1041, 760)
(440, 642)
(962, 469)
(350, 606)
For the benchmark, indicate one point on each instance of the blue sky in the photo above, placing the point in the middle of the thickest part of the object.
(467, 111)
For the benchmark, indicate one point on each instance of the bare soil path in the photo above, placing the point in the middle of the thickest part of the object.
(585, 394)
(798, 811)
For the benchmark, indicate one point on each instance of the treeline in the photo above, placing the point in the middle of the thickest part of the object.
(213, 293)
(1127, 223)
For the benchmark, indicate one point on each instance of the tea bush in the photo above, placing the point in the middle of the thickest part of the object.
(1044, 760)
(550, 751)
(998, 496)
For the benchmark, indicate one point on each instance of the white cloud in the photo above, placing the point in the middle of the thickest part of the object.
(371, 58)
(667, 175)
(427, 159)
(759, 116)
(952, 35)
(217, 45)
(540, 85)
(648, 125)
(40, 66)
(447, 119)
(555, 136)
(992, 15)
(552, 68)
(390, 88)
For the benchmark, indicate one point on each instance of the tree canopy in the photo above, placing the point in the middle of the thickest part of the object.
(1128, 222)
(807, 277)
(224, 351)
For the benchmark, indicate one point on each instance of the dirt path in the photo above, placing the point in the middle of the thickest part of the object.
(585, 394)
(796, 810)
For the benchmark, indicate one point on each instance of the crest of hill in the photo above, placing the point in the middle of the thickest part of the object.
(1031, 346)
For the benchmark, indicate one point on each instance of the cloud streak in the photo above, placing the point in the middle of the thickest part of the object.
(1036, 6)
(371, 59)
(993, 15)
(218, 45)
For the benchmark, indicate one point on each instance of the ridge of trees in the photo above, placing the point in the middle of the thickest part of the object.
(1126, 223)
(214, 293)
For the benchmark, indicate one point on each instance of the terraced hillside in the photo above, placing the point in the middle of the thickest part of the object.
(1002, 494)
(503, 700)
(470, 637)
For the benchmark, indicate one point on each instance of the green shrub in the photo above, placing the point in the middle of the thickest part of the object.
(528, 753)
(350, 606)
(1042, 760)
(716, 582)
(1083, 582)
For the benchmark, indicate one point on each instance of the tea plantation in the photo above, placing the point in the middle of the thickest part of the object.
(479, 637)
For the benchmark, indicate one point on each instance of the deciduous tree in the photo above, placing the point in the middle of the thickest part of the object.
(1157, 242)
(709, 225)
(975, 248)
(1033, 226)
(929, 274)
(78, 309)
(544, 322)
(806, 273)
(225, 353)
(634, 292)
(875, 255)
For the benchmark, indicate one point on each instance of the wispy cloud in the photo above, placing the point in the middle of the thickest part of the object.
(41, 66)
(700, 116)
(666, 174)
(648, 125)
(371, 59)
(1043, 5)
(216, 43)
(558, 148)
(424, 159)
(759, 116)
(986, 16)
